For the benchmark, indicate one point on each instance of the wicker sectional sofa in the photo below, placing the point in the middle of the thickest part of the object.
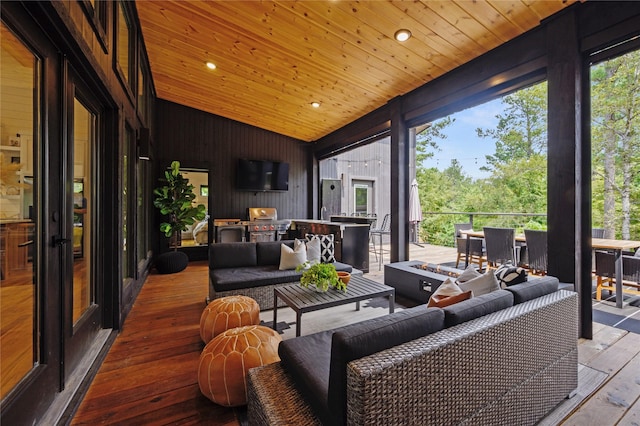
(251, 269)
(507, 357)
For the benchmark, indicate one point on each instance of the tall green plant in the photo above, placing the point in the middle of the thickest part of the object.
(175, 200)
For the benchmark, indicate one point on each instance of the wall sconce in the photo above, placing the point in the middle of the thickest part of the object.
(144, 144)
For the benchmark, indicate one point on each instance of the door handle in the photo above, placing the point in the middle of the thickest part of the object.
(57, 240)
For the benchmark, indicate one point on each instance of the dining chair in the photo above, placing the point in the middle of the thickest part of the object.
(537, 250)
(500, 244)
(476, 250)
(597, 232)
(606, 273)
(385, 229)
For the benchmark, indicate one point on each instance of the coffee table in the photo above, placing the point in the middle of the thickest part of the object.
(303, 300)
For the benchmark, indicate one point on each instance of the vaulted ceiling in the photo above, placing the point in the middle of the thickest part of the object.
(275, 58)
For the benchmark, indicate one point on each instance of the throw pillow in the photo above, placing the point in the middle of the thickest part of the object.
(327, 250)
(314, 251)
(485, 283)
(446, 289)
(469, 273)
(442, 301)
(510, 275)
(290, 258)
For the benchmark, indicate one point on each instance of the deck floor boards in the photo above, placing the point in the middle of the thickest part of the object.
(150, 374)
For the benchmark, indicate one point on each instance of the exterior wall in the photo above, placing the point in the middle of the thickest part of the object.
(368, 163)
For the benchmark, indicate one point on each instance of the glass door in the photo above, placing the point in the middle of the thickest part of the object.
(82, 313)
(19, 298)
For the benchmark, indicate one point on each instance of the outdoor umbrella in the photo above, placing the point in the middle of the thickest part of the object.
(415, 210)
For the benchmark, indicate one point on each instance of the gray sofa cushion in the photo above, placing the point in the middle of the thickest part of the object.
(368, 337)
(232, 255)
(236, 278)
(307, 359)
(269, 251)
(533, 289)
(477, 307)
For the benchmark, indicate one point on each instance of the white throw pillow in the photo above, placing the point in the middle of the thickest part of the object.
(290, 258)
(447, 288)
(485, 283)
(314, 251)
(468, 274)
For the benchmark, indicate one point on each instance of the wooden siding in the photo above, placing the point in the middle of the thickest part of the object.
(366, 163)
(196, 138)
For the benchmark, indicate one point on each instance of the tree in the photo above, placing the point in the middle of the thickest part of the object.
(426, 139)
(175, 200)
(522, 128)
(616, 141)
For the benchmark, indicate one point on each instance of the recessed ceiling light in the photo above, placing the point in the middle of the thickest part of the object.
(402, 35)
(315, 104)
(211, 65)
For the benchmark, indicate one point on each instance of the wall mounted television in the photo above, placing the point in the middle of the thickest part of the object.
(261, 175)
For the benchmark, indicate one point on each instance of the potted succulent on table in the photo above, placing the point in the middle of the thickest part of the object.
(320, 276)
(175, 201)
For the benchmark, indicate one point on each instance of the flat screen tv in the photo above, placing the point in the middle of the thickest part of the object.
(260, 175)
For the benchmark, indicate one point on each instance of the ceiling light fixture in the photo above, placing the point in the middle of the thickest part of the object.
(315, 104)
(402, 35)
(211, 65)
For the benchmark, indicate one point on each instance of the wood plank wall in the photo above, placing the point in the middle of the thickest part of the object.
(197, 138)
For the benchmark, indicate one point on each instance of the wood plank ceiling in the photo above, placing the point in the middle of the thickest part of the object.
(274, 58)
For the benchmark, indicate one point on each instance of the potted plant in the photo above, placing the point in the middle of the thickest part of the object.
(321, 276)
(175, 200)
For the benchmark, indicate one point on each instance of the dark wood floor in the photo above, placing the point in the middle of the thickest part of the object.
(149, 375)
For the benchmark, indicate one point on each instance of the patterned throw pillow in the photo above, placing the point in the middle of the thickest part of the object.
(327, 250)
(509, 275)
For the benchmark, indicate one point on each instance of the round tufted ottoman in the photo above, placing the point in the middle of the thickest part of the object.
(225, 360)
(171, 262)
(228, 312)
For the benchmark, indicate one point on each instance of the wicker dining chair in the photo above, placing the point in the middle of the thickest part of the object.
(537, 250)
(597, 232)
(606, 273)
(500, 244)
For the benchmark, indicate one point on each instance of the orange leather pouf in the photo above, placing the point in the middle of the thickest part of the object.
(225, 360)
(228, 312)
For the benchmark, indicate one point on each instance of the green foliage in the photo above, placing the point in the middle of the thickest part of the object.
(322, 275)
(518, 180)
(522, 129)
(175, 200)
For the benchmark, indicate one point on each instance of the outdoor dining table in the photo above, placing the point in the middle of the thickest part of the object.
(616, 246)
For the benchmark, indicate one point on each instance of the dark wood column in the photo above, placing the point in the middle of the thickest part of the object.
(568, 216)
(399, 184)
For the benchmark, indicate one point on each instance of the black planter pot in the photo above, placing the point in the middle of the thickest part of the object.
(171, 262)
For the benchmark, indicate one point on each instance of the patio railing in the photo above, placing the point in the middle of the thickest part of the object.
(497, 219)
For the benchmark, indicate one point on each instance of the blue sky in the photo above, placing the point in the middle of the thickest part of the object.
(463, 144)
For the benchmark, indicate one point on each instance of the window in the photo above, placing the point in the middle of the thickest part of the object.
(124, 47)
(96, 13)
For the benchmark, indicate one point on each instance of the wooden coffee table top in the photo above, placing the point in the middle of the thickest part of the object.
(303, 300)
(307, 300)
